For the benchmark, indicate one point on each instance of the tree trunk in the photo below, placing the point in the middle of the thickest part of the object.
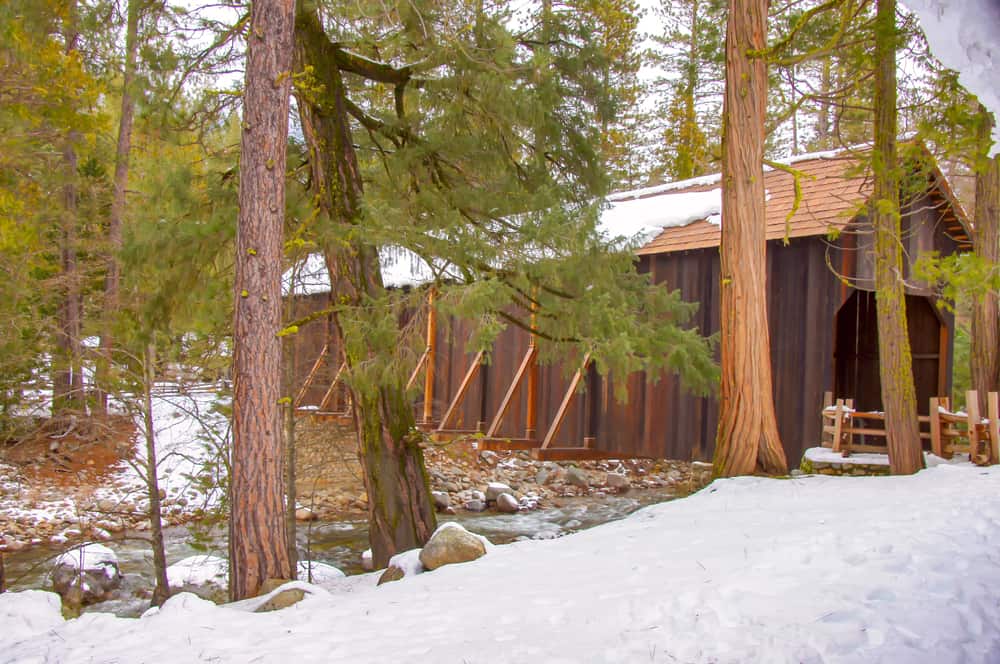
(67, 374)
(400, 509)
(161, 591)
(288, 429)
(895, 365)
(258, 543)
(3, 576)
(985, 356)
(748, 440)
(112, 278)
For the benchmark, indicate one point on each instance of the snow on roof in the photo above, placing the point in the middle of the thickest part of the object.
(965, 36)
(644, 218)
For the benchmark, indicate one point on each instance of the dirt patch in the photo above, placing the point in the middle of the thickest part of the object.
(73, 451)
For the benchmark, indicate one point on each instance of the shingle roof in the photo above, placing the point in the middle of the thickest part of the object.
(833, 189)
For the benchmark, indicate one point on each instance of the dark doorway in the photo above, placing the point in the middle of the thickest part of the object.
(856, 353)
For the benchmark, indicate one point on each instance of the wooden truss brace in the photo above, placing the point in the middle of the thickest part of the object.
(527, 366)
(564, 406)
(470, 373)
(333, 386)
(312, 375)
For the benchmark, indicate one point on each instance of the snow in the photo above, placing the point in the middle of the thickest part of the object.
(827, 455)
(408, 562)
(90, 557)
(201, 570)
(642, 219)
(321, 573)
(400, 268)
(965, 36)
(807, 569)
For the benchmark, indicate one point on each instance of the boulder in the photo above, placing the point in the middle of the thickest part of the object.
(305, 514)
(367, 563)
(616, 481)
(408, 563)
(543, 477)
(507, 503)
(318, 573)
(87, 574)
(577, 477)
(441, 500)
(450, 544)
(280, 600)
(494, 489)
(205, 576)
(475, 505)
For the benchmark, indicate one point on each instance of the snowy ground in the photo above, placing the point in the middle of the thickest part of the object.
(191, 435)
(809, 569)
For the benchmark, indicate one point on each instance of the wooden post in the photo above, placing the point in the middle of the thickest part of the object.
(942, 386)
(462, 389)
(431, 354)
(824, 436)
(838, 424)
(972, 410)
(935, 419)
(531, 394)
(993, 412)
(561, 413)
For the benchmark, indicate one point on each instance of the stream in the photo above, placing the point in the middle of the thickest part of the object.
(339, 543)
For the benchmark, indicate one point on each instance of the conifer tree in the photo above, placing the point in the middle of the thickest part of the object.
(748, 440)
(691, 51)
(895, 363)
(257, 543)
(479, 153)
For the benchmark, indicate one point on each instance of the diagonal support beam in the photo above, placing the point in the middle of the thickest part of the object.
(564, 406)
(527, 363)
(462, 390)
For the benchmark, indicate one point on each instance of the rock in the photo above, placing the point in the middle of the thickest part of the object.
(205, 576)
(577, 477)
(475, 505)
(489, 457)
(452, 487)
(507, 503)
(391, 574)
(450, 544)
(477, 495)
(86, 575)
(408, 563)
(441, 500)
(105, 505)
(616, 481)
(281, 600)
(796, 472)
(367, 563)
(494, 489)
(305, 514)
(318, 573)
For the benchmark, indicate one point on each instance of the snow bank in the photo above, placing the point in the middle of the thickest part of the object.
(199, 570)
(812, 569)
(965, 36)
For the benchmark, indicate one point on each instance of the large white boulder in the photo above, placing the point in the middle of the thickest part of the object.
(86, 574)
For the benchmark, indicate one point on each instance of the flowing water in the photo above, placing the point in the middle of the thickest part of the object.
(339, 543)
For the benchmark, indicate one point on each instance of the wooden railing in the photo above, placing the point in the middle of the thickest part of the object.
(948, 432)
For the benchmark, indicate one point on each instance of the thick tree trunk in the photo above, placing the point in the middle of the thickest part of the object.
(400, 509)
(258, 543)
(985, 356)
(3, 576)
(112, 278)
(67, 366)
(748, 440)
(895, 364)
(161, 591)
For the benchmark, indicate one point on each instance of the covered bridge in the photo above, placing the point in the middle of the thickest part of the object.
(821, 313)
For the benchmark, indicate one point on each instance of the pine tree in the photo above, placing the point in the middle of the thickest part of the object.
(985, 355)
(748, 440)
(691, 51)
(479, 151)
(895, 363)
(257, 543)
